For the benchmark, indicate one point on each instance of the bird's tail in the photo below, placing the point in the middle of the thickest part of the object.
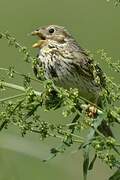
(105, 129)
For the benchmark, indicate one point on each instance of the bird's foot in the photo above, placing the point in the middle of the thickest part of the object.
(92, 111)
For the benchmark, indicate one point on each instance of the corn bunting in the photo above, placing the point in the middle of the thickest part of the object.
(68, 65)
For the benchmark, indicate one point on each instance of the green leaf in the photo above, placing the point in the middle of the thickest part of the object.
(0, 35)
(116, 175)
(92, 162)
(86, 162)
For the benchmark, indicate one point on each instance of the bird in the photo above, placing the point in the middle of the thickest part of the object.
(68, 65)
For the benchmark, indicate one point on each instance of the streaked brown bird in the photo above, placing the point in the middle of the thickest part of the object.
(67, 64)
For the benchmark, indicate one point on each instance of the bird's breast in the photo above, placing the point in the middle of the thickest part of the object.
(63, 73)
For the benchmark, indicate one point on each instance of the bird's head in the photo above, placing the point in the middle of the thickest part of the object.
(51, 32)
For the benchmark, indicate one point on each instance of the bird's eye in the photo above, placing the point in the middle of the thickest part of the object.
(51, 30)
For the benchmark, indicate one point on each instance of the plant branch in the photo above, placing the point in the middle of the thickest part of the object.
(20, 74)
(17, 87)
(12, 97)
(21, 88)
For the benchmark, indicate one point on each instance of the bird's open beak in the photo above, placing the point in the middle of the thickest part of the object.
(42, 40)
(36, 32)
(39, 44)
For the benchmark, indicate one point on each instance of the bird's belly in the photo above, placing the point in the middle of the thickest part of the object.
(68, 79)
(86, 88)
(65, 76)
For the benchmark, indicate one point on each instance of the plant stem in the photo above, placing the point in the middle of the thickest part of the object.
(20, 74)
(21, 88)
(57, 136)
(17, 87)
(12, 97)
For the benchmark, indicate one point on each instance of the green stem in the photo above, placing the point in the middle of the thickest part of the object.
(21, 88)
(15, 43)
(17, 87)
(57, 136)
(20, 74)
(71, 124)
(12, 97)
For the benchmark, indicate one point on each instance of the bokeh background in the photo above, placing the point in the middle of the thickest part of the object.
(95, 25)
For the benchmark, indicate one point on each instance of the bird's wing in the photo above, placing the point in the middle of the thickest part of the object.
(86, 67)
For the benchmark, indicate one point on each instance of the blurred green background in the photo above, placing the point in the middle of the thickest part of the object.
(95, 25)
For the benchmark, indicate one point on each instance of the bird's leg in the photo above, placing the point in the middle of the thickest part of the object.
(103, 127)
(92, 111)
